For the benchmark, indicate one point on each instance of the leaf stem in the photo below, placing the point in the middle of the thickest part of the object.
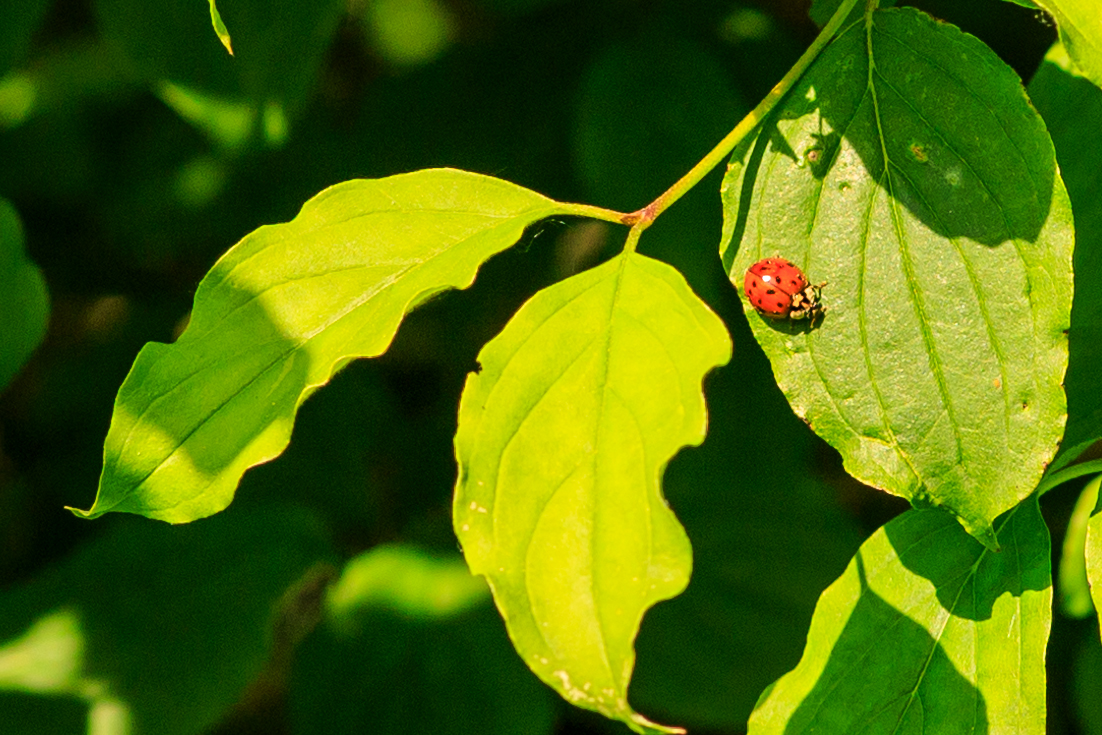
(1069, 473)
(642, 219)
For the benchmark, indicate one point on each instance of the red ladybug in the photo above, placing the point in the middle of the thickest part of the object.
(780, 290)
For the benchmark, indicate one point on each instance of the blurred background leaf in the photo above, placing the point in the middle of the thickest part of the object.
(24, 302)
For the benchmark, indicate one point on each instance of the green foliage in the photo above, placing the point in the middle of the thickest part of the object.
(562, 439)
(400, 614)
(931, 207)
(1093, 546)
(898, 160)
(279, 314)
(919, 609)
(1080, 24)
(156, 627)
(1072, 109)
(220, 27)
(24, 301)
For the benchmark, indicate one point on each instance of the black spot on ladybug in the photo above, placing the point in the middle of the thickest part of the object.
(770, 291)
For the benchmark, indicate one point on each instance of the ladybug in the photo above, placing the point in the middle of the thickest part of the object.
(780, 290)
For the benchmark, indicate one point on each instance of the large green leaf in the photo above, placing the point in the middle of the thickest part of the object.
(1080, 23)
(24, 301)
(908, 171)
(1072, 109)
(279, 314)
(411, 643)
(926, 632)
(563, 436)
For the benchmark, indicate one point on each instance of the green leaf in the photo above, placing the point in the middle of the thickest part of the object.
(163, 627)
(926, 631)
(908, 171)
(821, 11)
(1072, 109)
(1093, 546)
(1080, 23)
(563, 436)
(24, 300)
(252, 95)
(220, 28)
(279, 314)
(1073, 586)
(411, 643)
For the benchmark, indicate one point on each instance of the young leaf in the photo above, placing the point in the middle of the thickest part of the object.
(909, 172)
(1072, 109)
(24, 301)
(1080, 23)
(563, 437)
(279, 314)
(220, 28)
(926, 631)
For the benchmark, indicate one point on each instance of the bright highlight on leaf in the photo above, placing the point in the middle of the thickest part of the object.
(279, 314)
(1093, 547)
(926, 632)
(220, 27)
(909, 172)
(563, 436)
(1080, 23)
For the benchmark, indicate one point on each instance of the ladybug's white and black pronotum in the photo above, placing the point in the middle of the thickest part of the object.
(780, 290)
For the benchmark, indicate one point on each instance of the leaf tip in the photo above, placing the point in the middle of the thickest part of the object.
(89, 514)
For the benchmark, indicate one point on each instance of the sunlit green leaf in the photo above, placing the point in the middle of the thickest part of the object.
(279, 314)
(1093, 546)
(1080, 23)
(563, 436)
(220, 28)
(1072, 109)
(927, 631)
(411, 643)
(24, 301)
(160, 627)
(908, 172)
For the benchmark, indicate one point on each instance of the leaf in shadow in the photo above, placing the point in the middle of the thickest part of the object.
(927, 631)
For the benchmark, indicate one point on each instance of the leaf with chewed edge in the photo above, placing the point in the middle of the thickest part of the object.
(279, 314)
(563, 438)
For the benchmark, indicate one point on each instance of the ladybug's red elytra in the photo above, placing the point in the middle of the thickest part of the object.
(780, 290)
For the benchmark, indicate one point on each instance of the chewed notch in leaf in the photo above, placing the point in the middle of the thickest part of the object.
(563, 437)
(278, 314)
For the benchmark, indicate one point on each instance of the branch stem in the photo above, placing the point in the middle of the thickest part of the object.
(642, 219)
